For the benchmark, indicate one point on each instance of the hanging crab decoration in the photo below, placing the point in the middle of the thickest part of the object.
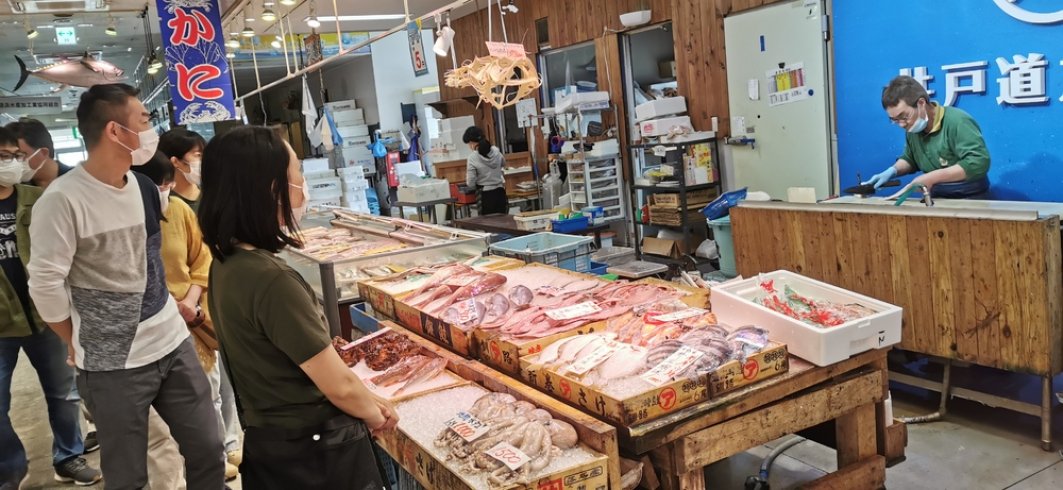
(499, 81)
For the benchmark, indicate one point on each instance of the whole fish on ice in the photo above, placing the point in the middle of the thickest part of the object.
(84, 72)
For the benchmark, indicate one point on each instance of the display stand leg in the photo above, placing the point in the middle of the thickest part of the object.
(1046, 413)
(330, 298)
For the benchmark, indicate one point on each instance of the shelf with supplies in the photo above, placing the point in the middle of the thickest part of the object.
(673, 182)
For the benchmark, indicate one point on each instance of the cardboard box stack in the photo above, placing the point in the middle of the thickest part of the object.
(448, 146)
(351, 126)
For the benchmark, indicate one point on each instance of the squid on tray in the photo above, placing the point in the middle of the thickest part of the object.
(716, 344)
(532, 430)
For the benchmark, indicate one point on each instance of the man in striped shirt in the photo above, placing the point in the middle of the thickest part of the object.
(96, 277)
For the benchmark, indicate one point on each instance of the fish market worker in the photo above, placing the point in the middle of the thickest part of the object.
(945, 143)
(484, 172)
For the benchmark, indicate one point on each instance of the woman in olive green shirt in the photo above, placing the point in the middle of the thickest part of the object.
(304, 412)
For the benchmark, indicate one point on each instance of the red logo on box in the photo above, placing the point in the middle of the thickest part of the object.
(666, 399)
(750, 369)
(566, 389)
(552, 485)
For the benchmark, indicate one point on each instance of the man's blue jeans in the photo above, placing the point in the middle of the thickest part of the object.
(47, 354)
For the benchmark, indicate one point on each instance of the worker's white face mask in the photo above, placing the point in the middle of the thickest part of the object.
(299, 211)
(920, 123)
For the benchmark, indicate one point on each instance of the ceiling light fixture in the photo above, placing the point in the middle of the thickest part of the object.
(230, 55)
(276, 43)
(268, 3)
(233, 42)
(249, 14)
(287, 3)
(247, 32)
(31, 33)
(112, 28)
(355, 18)
(444, 41)
(312, 20)
(155, 63)
(268, 15)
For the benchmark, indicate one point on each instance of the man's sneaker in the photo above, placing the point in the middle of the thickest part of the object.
(91, 444)
(78, 472)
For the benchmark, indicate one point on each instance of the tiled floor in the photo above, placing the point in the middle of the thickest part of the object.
(975, 447)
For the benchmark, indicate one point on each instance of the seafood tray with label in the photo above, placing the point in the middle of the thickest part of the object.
(393, 367)
(656, 359)
(468, 437)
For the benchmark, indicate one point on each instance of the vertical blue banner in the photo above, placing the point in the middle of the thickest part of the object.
(999, 60)
(193, 39)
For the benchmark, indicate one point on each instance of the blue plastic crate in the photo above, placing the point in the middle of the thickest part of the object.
(598, 269)
(362, 320)
(570, 225)
(564, 251)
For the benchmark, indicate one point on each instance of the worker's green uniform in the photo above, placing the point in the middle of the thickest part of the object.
(954, 139)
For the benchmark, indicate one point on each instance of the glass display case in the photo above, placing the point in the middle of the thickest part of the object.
(334, 277)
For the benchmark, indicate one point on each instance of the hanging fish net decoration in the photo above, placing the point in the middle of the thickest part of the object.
(499, 81)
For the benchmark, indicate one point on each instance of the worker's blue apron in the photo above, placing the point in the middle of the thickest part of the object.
(975, 189)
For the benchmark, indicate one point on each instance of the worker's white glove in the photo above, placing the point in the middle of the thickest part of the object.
(881, 178)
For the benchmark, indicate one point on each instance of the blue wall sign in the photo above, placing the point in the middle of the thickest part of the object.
(999, 60)
(193, 40)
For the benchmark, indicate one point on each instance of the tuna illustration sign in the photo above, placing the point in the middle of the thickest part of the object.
(200, 82)
(83, 71)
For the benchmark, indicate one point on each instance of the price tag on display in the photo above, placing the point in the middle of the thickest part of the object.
(467, 426)
(680, 315)
(676, 363)
(467, 311)
(595, 358)
(420, 64)
(505, 50)
(574, 311)
(508, 455)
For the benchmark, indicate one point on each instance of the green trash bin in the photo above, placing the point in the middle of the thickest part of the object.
(721, 230)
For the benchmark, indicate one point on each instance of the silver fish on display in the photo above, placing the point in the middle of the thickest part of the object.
(84, 72)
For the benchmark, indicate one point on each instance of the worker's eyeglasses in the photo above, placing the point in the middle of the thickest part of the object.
(903, 118)
(11, 157)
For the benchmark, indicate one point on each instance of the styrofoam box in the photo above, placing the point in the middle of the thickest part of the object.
(733, 305)
(348, 116)
(354, 154)
(353, 171)
(331, 174)
(315, 165)
(336, 202)
(456, 124)
(580, 98)
(357, 142)
(355, 184)
(660, 127)
(426, 191)
(324, 189)
(661, 107)
(341, 105)
(353, 131)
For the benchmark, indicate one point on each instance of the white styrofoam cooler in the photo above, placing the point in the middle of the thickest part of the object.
(426, 190)
(456, 123)
(733, 305)
(660, 108)
(353, 131)
(324, 189)
(661, 127)
(340, 105)
(348, 117)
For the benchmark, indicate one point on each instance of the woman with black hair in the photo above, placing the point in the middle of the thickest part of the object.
(304, 412)
(184, 148)
(484, 172)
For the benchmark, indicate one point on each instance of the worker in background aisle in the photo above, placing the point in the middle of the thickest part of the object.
(945, 143)
(307, 417)
(484, 172)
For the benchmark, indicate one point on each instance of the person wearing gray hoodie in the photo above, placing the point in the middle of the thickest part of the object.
(484, 171)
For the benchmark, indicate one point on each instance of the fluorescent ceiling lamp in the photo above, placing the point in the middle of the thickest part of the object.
(154, 64)
(32, 33)
(287, 3)
(353, 18)
(313, 22)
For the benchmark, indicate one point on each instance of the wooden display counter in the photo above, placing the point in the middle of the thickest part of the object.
(979, 282)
